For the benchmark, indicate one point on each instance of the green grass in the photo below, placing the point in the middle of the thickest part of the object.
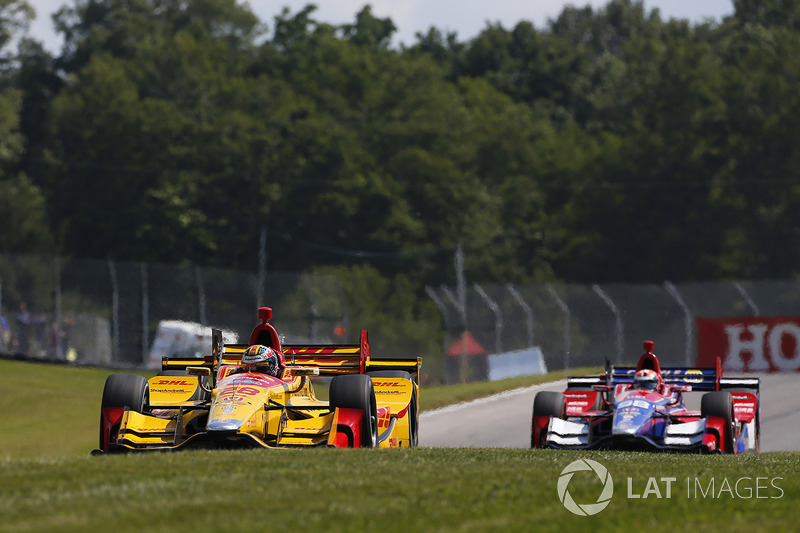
(48, 481)
(49, 410)
(392, 490)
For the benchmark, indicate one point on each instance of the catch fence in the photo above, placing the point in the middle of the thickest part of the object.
(107, 313)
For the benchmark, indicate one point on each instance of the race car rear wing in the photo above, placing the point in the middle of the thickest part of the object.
(699, 379)
(330, 359)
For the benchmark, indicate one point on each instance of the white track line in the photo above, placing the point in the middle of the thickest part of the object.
(499, 396)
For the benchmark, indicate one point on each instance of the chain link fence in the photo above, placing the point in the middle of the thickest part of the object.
(585, 325)
(107, 313)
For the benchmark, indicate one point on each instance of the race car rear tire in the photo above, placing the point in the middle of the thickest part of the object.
(550, 404)
(356, 391)
(720, 404)
(413, 410)
(123, 390)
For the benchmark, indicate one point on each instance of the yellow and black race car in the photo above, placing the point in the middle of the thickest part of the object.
(219, 401)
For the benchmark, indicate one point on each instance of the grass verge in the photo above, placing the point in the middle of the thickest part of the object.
(396, 490)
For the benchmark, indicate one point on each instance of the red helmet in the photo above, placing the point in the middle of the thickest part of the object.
(647, 379)
(259, 358)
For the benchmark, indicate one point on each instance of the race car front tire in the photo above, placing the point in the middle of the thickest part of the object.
(123, 390)
(720, 404)
(356, 391)
(546, 404)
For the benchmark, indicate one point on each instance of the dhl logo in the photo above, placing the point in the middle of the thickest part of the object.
(173, 382)
(389, 384)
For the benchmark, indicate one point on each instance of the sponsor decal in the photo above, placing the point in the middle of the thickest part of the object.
(239, 390)
(750, 344)
(232, 399)
(389, 383)
(174, 382)
(693, 376)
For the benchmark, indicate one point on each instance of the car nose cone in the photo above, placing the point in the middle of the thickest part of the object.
(224, 424)
(624, 429)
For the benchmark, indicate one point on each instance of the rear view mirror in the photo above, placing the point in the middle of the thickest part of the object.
(199, 371)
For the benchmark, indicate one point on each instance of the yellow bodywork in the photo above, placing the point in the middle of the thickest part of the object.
(394, 394)
(213, 402)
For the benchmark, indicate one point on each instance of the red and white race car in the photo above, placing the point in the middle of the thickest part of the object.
(643, 407)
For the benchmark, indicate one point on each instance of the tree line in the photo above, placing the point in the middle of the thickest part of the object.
(611, 145)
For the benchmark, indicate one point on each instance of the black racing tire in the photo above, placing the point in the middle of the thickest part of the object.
(356, 391)
(413, 409)
(547, 403)
(720, 404)
(124, 390)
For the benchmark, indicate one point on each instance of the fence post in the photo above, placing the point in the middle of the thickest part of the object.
(750, 302)
(448, 325)
(526, 309)
(460, 305)
(201, 294)
(262, 267)
(145, 313)
(687, 317)
(442, 308)
(57, 267)
(617, 319)
(314, 325)
(498, 318)
(564, 308)
(114, 311)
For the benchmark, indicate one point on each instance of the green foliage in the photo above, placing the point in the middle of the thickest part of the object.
(175, 132)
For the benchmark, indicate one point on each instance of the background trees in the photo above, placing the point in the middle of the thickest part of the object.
(610, 145)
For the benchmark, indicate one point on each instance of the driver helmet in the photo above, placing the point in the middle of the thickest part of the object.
(260, 358)
(646, 379)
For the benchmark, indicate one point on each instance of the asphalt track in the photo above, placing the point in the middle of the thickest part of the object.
(504, 420)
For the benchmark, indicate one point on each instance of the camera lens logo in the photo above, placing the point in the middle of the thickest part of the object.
(585, 465)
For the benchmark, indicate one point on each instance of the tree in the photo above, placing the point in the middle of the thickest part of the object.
(22, 206)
